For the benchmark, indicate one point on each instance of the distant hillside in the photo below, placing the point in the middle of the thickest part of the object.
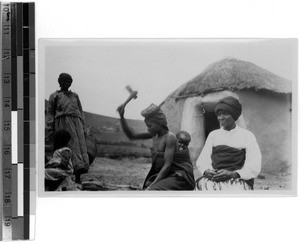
(107, 123)
(108, 130)
(108, 133)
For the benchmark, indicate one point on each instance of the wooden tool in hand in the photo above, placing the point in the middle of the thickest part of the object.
(133, 95)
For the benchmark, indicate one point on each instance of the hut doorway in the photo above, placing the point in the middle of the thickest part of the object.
(210, 122)
(210, 119)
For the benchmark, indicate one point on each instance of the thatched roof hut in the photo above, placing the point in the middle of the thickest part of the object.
(232, 74)
(266, 101)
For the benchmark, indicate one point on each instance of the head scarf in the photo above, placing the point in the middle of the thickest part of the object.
(64, 76)
(154, 114)
(230, 105)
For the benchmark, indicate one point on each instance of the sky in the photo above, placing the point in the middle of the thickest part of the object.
(101, 68)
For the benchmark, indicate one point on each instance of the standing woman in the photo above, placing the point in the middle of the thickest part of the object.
(65, 113)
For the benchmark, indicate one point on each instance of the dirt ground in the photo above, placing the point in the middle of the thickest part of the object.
(119, 172)
(129, 173)
(273, 182)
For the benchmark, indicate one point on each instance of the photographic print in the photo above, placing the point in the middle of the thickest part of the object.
(170, 116)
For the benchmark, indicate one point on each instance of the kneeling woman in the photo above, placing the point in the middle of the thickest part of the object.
(171, 168)
(231, 158)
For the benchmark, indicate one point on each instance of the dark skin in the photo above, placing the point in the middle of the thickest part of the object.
(163, 141)
(228, 123)
(65, 85)
(183, 140)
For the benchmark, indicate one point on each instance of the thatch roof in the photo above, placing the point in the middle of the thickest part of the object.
(232, 74)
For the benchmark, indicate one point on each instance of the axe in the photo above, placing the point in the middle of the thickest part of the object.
(133, 95)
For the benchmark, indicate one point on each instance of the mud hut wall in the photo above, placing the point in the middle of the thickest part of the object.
(193, 122)
(173, 111)
(268, 116)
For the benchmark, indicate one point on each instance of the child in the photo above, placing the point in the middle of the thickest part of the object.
(60, 166)
(183, 139)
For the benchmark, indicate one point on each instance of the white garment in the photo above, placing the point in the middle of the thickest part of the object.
(239, 138)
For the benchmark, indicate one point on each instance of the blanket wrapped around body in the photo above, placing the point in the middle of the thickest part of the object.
(59, 169)
(228, 158)
(60, 165)
(181, 165)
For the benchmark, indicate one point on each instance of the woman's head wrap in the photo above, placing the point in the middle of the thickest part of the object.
(154, 114)
(64, 77)
(230, 105)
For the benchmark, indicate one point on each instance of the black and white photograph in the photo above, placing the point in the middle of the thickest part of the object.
(184, 57)
(169, 116)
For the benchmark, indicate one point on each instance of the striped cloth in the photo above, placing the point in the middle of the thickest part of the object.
(204, 184)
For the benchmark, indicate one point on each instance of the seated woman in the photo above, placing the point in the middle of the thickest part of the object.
(60, 166)
(171, 168)
(231, 158)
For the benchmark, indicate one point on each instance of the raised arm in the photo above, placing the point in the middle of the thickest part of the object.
(129, 133)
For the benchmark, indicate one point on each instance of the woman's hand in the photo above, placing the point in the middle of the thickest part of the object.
(224, 175)
(210, 173)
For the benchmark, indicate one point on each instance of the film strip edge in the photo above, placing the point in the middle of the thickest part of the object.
(1, 128)
(18, 121)
(31, 161)
(6, 121)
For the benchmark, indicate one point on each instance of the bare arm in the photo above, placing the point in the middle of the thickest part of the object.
(168, 158)
(129, 133)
